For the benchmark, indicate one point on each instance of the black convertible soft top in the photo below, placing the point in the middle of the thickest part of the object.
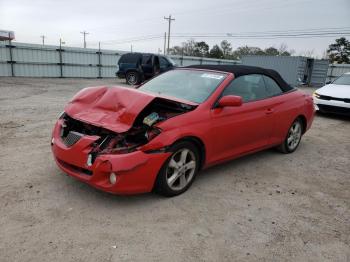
(240, 70)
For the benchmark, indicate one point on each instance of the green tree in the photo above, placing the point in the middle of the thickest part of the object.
(271, 51)
(189, 47)
(226, 48)
(283, 50)
(216, 52)
(247, 50)
(339, 52)
(201, 49)
(176, 50)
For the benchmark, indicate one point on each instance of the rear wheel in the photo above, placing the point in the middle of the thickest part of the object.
(292, 141)
(179, 171)
(132, 78)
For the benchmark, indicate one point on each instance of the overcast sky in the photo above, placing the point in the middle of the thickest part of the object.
(113, 21)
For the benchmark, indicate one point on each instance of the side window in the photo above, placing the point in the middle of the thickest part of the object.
(272, 87)
(163, 62)
(249, 87)
(146, 59)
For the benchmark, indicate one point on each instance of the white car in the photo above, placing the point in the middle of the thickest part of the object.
(334, 97)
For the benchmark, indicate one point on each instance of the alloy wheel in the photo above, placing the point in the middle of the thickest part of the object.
(181, 169)
(132, 78)
(294, 135)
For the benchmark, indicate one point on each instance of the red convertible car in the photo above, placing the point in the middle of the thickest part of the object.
(158, 136)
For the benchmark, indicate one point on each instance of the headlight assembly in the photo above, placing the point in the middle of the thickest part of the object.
(316, 95)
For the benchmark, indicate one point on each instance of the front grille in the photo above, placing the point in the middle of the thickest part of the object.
(346, 100)
(71, 138)
(334, 109)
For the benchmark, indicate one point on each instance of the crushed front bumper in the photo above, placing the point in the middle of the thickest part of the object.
(136, 172)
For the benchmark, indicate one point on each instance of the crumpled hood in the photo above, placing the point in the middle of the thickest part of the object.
(114, 108)
(339, 91)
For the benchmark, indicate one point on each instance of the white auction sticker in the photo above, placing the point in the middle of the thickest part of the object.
(214, 76)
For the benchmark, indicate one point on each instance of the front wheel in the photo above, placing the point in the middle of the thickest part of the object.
(179, 171)
(133, 78)
(292, 141)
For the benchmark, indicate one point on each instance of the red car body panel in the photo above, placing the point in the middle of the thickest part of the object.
(225, 133)
(112, 108)
(136, 171)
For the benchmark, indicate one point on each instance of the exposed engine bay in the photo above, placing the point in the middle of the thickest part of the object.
(143, 130)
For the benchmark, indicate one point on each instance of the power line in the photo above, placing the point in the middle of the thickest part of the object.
(262, 36)
(297, 31)
(272, 34)
(169, 21)
(84, 33)
(134, 39)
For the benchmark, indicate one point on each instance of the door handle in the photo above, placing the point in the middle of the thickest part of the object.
(269, 111)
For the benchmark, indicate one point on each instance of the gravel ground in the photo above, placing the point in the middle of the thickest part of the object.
(267, 206)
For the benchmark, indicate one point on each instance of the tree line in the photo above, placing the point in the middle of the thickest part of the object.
(338, 52)
(224, 50)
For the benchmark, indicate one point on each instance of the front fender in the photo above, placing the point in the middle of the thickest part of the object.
(169, 137)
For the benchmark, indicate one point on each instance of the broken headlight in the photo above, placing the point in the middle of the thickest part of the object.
(130, 141)
(152, 133)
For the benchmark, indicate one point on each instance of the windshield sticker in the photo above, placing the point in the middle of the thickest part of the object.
(214, 76)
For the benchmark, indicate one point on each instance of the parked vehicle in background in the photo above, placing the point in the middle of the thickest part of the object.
(334, 97)
(126, 141)
(137, 67)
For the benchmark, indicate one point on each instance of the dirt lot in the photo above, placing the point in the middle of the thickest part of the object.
(266, 207)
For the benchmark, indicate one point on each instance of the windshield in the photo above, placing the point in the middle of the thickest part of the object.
(342, 80)
(192, 85)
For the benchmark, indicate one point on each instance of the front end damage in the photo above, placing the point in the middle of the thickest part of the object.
(113, 161)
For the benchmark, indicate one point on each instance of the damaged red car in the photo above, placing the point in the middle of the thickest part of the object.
(158, 136)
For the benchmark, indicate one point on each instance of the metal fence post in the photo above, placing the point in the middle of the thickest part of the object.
(60, 59)
(11, 62)
(331, 74)
(99, 53)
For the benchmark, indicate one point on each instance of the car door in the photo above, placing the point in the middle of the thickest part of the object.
(283, 108)
(239, 130)
(147, 65)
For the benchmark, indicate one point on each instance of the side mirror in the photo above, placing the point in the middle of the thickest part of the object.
(328, 82)
(230, 101)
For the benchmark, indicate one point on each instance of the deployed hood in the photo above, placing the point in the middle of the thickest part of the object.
(338, 91)
(112, 108)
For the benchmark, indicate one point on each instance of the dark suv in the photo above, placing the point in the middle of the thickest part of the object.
(137, 67)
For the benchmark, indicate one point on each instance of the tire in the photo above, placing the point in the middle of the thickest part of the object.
(133, 78)
(293, 138)
(179, 171)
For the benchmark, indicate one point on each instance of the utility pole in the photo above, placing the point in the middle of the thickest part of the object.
(169, 21)
(84, 33)
(131, 48)
(164, 43)
(43, 37)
